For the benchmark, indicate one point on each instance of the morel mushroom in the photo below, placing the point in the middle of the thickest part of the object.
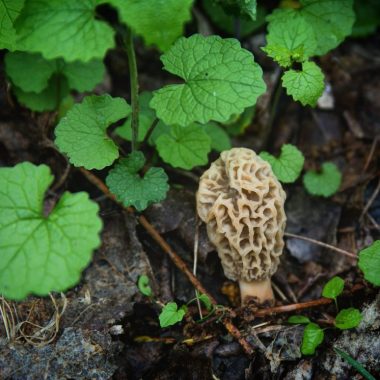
(242, 203)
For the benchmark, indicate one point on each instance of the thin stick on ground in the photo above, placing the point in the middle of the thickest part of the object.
(180, 264)
(299, 306)
(370, 201)
(371, 153)
(293, 307)
(325, 245)
(150, 131)
(195, 262)
(373, 221)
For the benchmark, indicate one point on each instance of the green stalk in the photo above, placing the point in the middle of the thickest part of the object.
(134, 87)
(275, 99)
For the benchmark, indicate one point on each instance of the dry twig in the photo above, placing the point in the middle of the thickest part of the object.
(293, 307)
(370, 201)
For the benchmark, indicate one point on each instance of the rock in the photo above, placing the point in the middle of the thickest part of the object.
(303, 371)
(78, 354)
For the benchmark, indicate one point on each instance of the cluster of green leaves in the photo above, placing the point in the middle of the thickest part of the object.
(58, 46)
(297, 34)
(221, 79)
(313, 334)
(289, 164)
(73, 30)
(182, 147)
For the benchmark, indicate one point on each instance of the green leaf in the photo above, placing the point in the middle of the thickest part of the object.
(133, 190)
(288, 166)
(333, 288)
(331, 20)
(354, 364)
(146, 118)
(170, 314)
(41, 252)
(42, 85)
(161, 129)
(47, 100)
(305, 85)
(348, 318)
(160, 22)
(219, 138)
(143, 285)
(31, 72)
(82, 134)
(83, 76)
(248, 7)
(221, 79)
(313, 336)
(367, 17)
(64, 28)
(324, 183)
(65, 106)
(237, 125)
(369, 263)
(184, 147)
(290, 41)
(239, 7)
(225, 20)
(206, 301)
(298, 319)
(9, 10)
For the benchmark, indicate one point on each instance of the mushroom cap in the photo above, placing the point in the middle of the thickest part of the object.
(242, 203)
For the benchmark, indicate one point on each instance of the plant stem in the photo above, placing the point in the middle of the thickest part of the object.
(128, 40)
(150, 131)
(275, 98)
(237, 27)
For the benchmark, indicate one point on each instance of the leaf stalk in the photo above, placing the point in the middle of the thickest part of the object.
(133, 76)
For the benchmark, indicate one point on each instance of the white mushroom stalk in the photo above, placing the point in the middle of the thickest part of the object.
(242, 203)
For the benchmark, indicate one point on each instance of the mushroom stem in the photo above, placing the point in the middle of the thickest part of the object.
(259, 289)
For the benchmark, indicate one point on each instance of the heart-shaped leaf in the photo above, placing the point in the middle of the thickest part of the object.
(42, 252)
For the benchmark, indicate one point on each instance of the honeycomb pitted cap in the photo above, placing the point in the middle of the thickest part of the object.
(242, 203)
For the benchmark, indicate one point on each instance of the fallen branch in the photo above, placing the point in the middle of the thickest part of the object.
(292, 307)
(301, 305)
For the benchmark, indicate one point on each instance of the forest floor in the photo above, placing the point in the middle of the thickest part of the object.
(104, 328)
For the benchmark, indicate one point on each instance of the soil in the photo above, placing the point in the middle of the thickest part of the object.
(104, 328)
